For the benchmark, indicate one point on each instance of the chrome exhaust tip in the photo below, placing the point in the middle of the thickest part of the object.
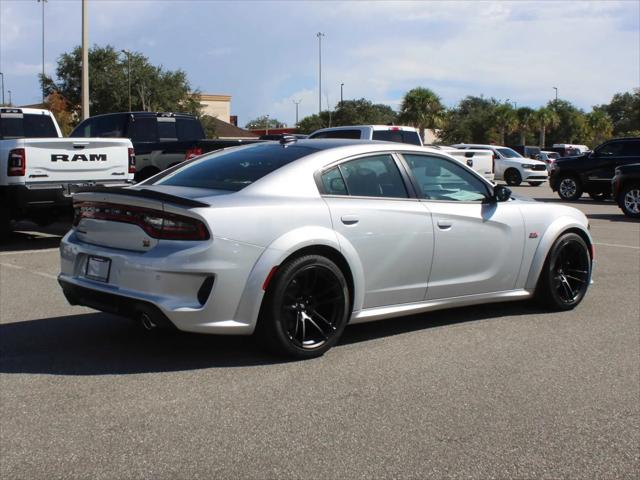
(146, 322)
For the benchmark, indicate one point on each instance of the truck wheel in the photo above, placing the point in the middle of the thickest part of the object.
(512, 177)
(569, 188)
(630, 201)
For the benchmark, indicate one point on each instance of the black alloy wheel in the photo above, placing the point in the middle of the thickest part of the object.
(512, 177)
(566, 274)
(630, 201)
(306, 309)
(569, 188)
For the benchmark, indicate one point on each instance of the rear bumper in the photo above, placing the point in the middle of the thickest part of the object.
(196, 287)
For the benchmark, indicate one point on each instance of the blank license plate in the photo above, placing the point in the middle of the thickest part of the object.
(98, 268)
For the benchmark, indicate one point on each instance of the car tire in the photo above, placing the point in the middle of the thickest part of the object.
(306, 308)
(566, 274)
(630, 200)
(512, 177)
(569, 188)
(535, 184)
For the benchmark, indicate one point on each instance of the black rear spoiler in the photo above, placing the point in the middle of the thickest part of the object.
(145, 193)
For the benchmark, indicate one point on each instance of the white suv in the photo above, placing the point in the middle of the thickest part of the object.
(512, 167)
(387, 133)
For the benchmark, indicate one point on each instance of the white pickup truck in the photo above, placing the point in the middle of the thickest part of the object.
(479, 160)
(40, 170)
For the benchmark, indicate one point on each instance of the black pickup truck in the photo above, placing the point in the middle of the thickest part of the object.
(592, 172)
(160, 139)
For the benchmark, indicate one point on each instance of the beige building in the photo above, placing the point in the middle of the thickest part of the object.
(218, 106)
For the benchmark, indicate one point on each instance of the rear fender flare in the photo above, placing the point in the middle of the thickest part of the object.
(284, 247)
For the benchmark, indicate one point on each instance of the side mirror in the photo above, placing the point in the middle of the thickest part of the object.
(501, 193)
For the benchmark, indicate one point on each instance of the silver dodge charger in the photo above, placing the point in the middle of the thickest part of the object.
(293, 240)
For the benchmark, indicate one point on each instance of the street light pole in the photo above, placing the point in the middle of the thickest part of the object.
(556, 89)
(85, 61)
(320, 35)
(128, 54)
(297, 103)
(43, 2)
(267, 128)
(10, 102)
(341, 99)
(2, 77)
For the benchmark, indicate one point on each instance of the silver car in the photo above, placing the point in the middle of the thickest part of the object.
(293, 240)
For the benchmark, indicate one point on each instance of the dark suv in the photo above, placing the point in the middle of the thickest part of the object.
(626, 189)
(592, 172)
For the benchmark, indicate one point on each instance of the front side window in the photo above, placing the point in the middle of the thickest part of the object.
(631, 148)
(375, 176)
(611, 149)
(442, 179)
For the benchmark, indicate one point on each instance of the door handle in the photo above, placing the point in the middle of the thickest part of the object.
(349, 219)
(444, 224)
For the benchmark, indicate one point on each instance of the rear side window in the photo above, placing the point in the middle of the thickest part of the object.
(234, 169)
(144, 129)
(351, 134)
(374, 176)
(399, 136)
(27, 125)
(189, 129)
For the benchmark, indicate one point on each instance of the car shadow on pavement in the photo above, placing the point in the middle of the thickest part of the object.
(29, 236)
(102, 344)
(612, 217)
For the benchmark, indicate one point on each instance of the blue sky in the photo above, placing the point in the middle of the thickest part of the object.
(265, 53)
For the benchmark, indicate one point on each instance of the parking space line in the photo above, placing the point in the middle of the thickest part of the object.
(35, 272)
(18, 252)
(616, 245)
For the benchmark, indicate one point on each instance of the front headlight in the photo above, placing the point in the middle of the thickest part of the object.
(527, 166)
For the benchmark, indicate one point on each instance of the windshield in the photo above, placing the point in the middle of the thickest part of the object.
(236, 168)
(508, 153)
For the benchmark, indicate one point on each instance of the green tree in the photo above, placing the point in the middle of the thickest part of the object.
(209, 125)
(471, 121)
(624, 111)
(544, 118)
(572, 124)
(314, 122)
(422, 109)
(362, 112)
(264, 122)
(600, 126)
(152, 87)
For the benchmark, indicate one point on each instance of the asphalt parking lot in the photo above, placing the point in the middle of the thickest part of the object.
(497, 391)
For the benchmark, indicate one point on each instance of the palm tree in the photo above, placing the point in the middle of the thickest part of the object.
(505, 120)
(545, 117)
(422, 109)
(524, 122)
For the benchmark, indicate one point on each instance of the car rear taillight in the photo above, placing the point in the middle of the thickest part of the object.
(193, 152)
(132, 161)
(156, 223)
(17, 163)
